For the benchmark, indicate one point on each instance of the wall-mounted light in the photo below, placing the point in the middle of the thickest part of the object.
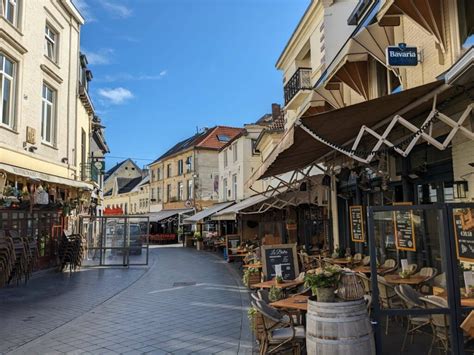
(460, 189)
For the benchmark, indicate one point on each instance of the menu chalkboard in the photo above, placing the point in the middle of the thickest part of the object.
(464, 239)
(404, 230)
(280, 254)
(356, 215)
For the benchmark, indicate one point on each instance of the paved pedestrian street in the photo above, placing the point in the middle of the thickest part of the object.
(185, 302)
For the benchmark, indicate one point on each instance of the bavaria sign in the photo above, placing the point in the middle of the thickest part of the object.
(401, 55)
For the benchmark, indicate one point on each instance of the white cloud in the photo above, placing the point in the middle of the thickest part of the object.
(84, 9)
(116, 9)
(116, 96)
(130, 77)
(100, 57)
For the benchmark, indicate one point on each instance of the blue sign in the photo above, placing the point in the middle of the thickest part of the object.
(402, 56)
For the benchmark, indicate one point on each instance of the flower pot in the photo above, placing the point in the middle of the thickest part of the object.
(325, 294)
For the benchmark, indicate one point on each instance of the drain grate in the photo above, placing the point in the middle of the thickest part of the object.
(181, 284)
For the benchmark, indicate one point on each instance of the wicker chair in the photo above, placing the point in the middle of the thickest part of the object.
(411, 299)
(366, 260)
(439, 322)
(357, 258)
(365, 282)
(388, 297)
(411, 268)
(430, 273)
(280, 332)
(389, 266)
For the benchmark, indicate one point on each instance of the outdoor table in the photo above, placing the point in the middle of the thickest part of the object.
(412, 280)
(367, 270)
(340, 261)
(284, 285)
(254, 266)
(299, 302)
(465, 301)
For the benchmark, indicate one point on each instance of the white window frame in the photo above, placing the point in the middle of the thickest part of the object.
(51, 39)
(4, 77)
(234, 186)
(234, 152)
(180, 167)
(224, 189)
(190, 189)
(180, 191)
(5, 11)
(51, 104)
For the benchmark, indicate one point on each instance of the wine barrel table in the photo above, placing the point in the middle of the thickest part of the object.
(339, 328)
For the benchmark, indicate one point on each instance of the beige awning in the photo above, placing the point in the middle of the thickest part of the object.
(298, 150)
(351, 64)
(426, 13)
(206, 213)
(36, 175)
(230, 213)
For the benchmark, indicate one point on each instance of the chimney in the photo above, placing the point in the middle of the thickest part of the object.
(276, 111)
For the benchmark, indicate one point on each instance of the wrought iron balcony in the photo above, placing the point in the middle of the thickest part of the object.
(301, 80)
(89, 172)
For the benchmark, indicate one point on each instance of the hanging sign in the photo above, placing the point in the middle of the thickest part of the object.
(402, 56)
(464, 239)
(404, 228)
(280, 258)
(356, 215)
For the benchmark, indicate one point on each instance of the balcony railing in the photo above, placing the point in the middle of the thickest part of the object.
(299, 81)
(89, 172)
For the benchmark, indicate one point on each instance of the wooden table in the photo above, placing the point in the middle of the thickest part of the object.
(465, 301)
(253, 266)
(367, 270)
(283, 285)
(412, 280)
(298, 302)
(340, 261)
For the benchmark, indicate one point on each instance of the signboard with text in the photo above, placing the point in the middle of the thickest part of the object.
(280, 254)
(404, 230)
(464, 239)
(402, 56)
(356, 215)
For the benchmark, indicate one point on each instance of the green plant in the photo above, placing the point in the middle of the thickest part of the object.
(247, 273)
(251, 314)
(326, 277)
(275, 294)
(405, 274)
(279, 279)
(198, 236)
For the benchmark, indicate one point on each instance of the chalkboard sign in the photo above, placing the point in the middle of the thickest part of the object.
(356, 215)
(280, 254)
(464, 239)
(404, 230)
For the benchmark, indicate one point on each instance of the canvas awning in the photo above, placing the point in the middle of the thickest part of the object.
(230, 213)
(351, 64)
(427, 14)
(206, 213)
(298, 149)
(36, 175)
(165, 214)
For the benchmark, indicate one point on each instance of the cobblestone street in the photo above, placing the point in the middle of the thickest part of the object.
(185, 302)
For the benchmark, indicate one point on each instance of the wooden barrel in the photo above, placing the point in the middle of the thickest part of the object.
(339, 328)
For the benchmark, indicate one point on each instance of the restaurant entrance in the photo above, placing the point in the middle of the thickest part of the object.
(427, 304)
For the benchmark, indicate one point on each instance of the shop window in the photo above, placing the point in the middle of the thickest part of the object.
(7, 79)
(466, 22)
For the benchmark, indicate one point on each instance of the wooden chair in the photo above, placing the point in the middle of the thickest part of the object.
(280, 333)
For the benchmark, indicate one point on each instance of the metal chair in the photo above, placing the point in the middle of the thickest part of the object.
(264, 296)
(280, 332)
(388, 297)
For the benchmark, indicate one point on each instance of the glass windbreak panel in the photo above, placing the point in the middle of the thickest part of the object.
(463, 231)
(411, 275)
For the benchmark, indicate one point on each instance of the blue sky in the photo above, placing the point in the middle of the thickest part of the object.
(164, 67)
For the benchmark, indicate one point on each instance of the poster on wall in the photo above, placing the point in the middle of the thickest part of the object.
(404, 230)
(356, 215)
(464, 238)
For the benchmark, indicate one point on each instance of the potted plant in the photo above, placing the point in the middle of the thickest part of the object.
(199, 241)
(278, 280)
(251, 276)
(275, 294)
(323, 282)
(256, 323)
(405, 274)
(291, 224)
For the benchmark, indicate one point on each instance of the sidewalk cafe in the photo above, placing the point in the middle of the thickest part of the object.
(397, 219)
